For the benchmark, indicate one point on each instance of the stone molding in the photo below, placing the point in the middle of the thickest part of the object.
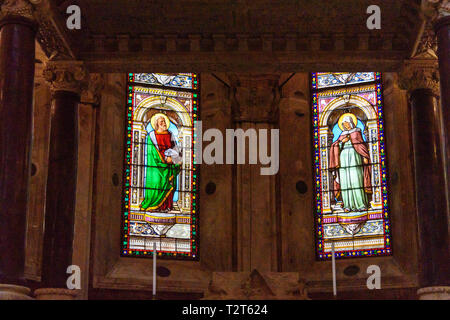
(256, 286)
(420, 75)
(55, 294)
(434, 293)
(69, 76)
(13, 292)
(240, 42)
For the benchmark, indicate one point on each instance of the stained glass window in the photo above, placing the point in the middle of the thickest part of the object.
(160, 197)
(350, 165)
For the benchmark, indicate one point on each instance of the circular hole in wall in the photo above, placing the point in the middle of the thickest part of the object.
(162, 271)
(301, 187)
(300, 114)
(210, 188)
(33, 169)
(351, 270)
(115, 179)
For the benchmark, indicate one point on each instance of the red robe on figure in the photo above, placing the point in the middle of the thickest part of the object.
(360, 147)
(164, 141)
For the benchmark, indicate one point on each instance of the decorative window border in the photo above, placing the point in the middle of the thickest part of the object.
(194, 254)
(318, 203)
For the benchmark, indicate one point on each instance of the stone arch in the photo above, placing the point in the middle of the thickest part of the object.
(170, 104)
(352, 100)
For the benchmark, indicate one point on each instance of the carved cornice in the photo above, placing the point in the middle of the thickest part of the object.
(419, 75)
(66, 76)
(18, 8)
(436, 9)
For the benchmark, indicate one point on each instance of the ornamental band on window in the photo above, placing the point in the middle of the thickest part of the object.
(160, 194)
(351, 193)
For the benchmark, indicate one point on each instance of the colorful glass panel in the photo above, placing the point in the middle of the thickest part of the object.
(324, 80)
(160, 197)
(350, 169)
(175, 80)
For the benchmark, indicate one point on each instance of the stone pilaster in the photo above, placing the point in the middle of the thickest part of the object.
(255, 101)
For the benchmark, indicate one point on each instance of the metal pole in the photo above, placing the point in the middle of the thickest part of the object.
(154, 269)
(333, 263)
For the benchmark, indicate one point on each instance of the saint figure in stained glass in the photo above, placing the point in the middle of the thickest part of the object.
(349, 159)
(160, 174)
(163, 165)
(352, 212)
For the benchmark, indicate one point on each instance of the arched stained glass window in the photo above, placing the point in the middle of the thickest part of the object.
(160, 197)
(350, 165)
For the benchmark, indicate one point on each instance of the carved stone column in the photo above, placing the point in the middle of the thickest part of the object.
(422, 82)
(255, 102)
(67, 80)
(17, 54)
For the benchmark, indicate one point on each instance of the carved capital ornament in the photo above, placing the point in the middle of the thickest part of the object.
(69, 76)
(18, 8)
(419, 76)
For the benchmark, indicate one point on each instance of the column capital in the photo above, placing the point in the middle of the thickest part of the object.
(18, 9)
(419, 75)
(69, 76)
(435, 9)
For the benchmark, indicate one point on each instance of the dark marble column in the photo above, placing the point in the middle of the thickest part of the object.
(430, 189)
(17, 55)
(66, 80)
(442, 30)
(421, 79)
